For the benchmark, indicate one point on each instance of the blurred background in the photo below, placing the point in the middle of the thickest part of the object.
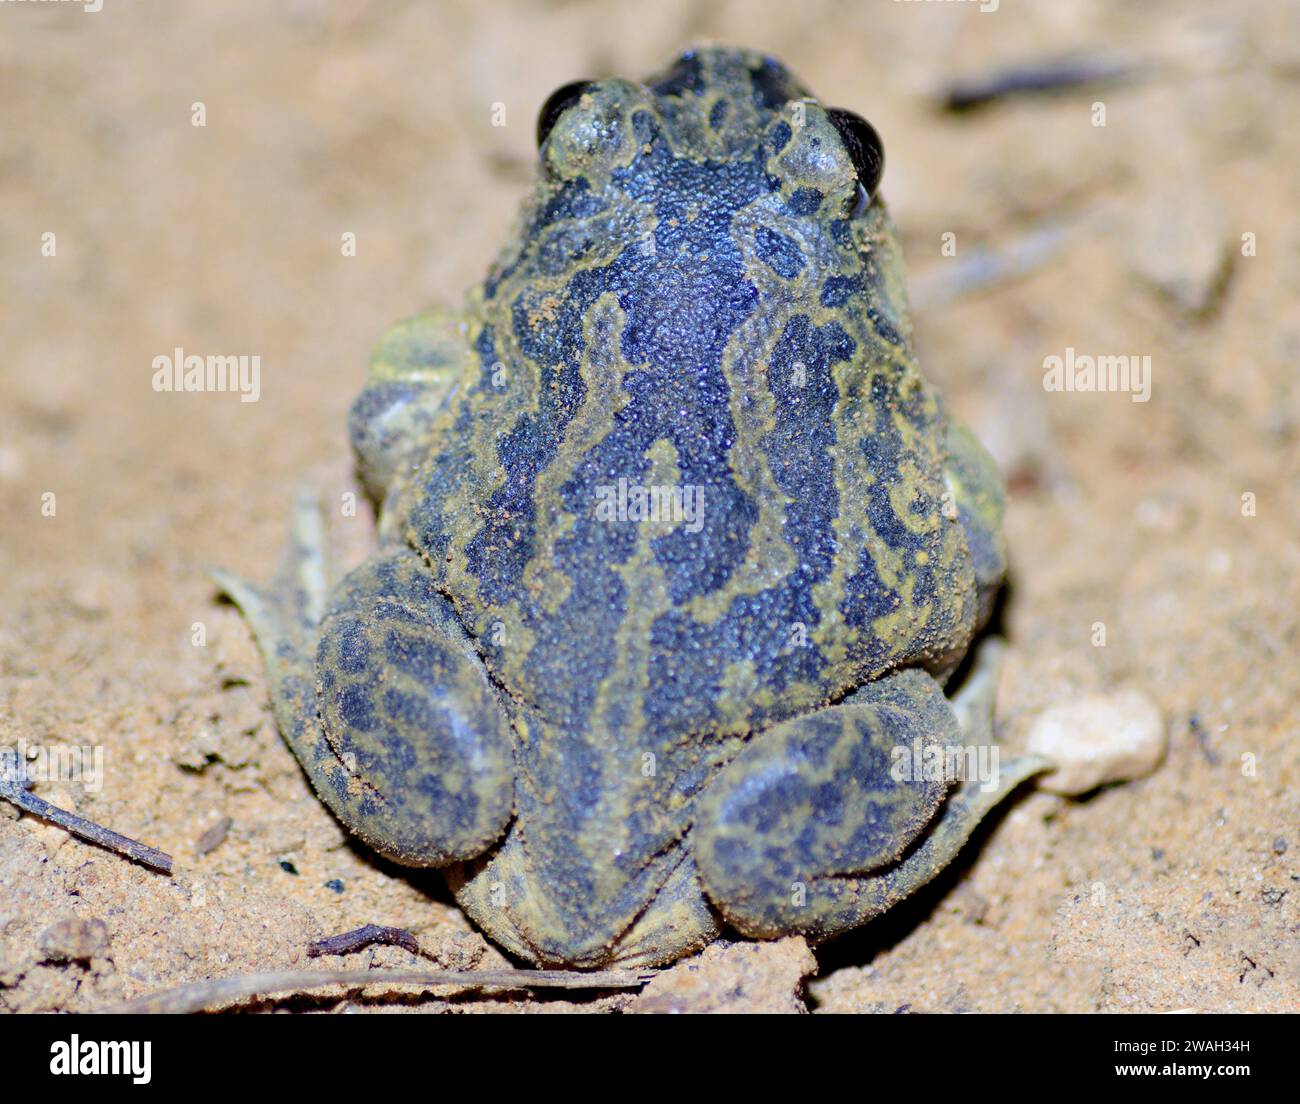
(1170, 232)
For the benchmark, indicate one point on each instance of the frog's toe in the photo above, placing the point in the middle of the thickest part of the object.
(821, 823)
(969, 804)
(284, 613)
(974, 701)
(283, 616)
(677, 922)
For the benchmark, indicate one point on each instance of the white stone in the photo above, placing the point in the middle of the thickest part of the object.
(1094, 740)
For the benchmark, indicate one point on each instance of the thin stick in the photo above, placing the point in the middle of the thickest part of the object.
(202, 995)
(985, 267)
(86, 829)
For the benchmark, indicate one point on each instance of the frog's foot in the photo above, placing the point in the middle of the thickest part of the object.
(830, 819)
(383, 699)
(283, 617)
(514, 902)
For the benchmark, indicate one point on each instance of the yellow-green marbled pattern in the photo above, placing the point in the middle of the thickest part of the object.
(625, 730)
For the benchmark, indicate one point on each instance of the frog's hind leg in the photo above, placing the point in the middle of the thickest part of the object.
(826, 821)
(382, 698)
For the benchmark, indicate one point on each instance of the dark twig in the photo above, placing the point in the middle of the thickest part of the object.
(85, 829)
(1203, 739)
(203, 995)
(1034, 78)
(363, 937)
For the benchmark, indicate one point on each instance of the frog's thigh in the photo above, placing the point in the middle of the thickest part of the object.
(408, 712)
(789, 835)
(383, 700)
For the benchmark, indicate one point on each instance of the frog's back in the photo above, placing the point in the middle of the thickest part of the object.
(693, 482)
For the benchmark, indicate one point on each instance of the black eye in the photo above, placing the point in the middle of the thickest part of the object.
(863, 146)
(563, 97)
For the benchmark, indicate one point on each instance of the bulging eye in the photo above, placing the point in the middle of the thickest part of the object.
(863, 146)
(556, 103)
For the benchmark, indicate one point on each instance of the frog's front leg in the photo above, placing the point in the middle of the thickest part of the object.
(416, 372)
(383, 700)
(975, 491)
(819, 824)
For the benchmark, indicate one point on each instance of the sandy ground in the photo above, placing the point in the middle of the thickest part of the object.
(1178, 891)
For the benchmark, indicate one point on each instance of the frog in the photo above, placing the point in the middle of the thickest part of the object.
(676, 550)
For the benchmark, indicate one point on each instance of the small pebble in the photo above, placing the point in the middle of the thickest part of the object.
(288, 867)
(336, 884)
(1183, 249)
(73, 940)
(1279, 846)
(214, 837)
(1099, 739)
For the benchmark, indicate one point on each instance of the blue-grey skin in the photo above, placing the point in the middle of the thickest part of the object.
(618, 735)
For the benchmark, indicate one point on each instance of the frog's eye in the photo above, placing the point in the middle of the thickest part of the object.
(863, 146)
(563, 97)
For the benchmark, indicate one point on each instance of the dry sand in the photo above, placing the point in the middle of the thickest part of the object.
(1178, 891)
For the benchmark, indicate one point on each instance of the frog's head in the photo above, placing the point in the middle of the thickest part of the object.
(719, 181)
(717, 105)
